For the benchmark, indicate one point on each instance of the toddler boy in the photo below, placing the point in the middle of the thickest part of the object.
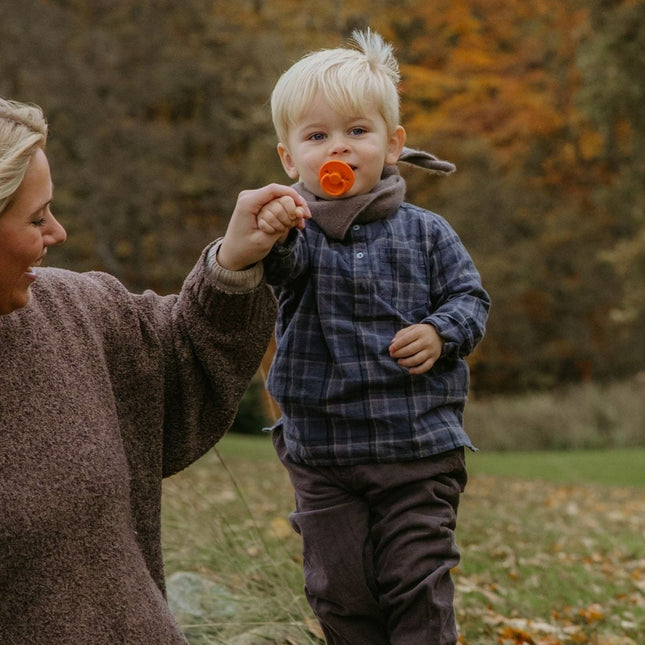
(379, 304)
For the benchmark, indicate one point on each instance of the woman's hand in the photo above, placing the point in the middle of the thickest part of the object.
(260, 218)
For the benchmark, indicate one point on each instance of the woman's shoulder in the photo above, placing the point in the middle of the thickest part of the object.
(97, 298)
(63, 283)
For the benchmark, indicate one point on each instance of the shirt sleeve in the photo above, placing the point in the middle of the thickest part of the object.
(461, 303)
(287, 260)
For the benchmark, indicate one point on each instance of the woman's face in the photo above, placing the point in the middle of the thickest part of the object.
(27, 228)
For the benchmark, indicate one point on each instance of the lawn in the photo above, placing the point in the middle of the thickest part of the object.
(553, 549)
(616, 467)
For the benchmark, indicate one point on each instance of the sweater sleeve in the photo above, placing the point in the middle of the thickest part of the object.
(218, 336)
(232, 281)
(179, 364)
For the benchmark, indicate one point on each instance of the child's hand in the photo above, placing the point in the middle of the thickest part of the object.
(244, 242)
(416, 347)
(279, 216)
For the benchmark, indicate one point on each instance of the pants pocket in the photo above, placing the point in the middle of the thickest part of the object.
(337, 557)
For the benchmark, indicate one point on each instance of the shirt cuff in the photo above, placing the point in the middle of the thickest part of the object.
(232, 281)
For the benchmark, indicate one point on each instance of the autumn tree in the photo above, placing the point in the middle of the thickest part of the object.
(612, 59)
(153, 107)
(159, 117)
(492, 85)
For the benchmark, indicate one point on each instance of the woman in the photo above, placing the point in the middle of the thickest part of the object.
(103, 393)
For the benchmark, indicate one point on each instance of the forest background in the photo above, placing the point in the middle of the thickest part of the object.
(159, 116)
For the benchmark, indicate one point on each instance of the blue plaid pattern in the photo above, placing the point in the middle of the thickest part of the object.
(344, 400)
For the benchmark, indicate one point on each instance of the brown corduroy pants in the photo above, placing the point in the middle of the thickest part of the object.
(378, 547)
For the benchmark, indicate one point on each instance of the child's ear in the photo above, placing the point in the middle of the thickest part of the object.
(287, 162)
(395, 145)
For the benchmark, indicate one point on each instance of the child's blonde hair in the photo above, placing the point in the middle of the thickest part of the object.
(351, 79)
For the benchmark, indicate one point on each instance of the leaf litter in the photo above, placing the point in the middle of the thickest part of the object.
(549, 564)
(542, 563)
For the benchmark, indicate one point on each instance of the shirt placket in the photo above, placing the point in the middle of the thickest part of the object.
(361, 272)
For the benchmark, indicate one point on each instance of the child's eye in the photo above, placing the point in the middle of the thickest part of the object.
(358, 130)
(317, 136)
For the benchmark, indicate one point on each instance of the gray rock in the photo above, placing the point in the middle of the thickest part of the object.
(194, 598)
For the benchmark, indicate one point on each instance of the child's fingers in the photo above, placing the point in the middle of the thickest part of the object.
(419, 362)
(416, 348)
(252, 201)
(405, 342)
(302, 215)
(280, 214)
(423, 367)
(268, 227)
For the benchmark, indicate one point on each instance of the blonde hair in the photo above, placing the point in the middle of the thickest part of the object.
(350, 78)
(23, 129)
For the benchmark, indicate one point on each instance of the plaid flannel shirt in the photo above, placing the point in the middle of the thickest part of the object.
(344, 400)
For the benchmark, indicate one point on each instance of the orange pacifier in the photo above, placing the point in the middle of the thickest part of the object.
(336, 177)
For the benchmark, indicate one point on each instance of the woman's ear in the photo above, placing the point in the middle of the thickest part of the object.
(395, 145)
(287, 162)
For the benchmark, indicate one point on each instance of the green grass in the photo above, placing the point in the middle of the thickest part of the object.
(553, 548)
(614, 467)
(611, 467)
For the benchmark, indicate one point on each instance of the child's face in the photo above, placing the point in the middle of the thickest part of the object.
(323, 134)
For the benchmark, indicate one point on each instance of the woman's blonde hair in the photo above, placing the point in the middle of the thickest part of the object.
(352, 79)
(23, 129)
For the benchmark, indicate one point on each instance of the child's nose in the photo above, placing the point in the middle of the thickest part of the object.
(339, 146)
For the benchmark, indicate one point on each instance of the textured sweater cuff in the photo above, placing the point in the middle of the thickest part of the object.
(232, 281)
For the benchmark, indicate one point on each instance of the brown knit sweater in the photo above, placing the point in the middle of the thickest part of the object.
(103, 393)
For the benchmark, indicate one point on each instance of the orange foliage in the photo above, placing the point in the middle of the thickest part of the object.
(491, 70)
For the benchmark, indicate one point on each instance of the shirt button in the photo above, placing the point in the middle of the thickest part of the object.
(356, 227)
(360, 255)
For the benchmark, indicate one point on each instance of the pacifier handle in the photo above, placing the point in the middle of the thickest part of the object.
(336, 177)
